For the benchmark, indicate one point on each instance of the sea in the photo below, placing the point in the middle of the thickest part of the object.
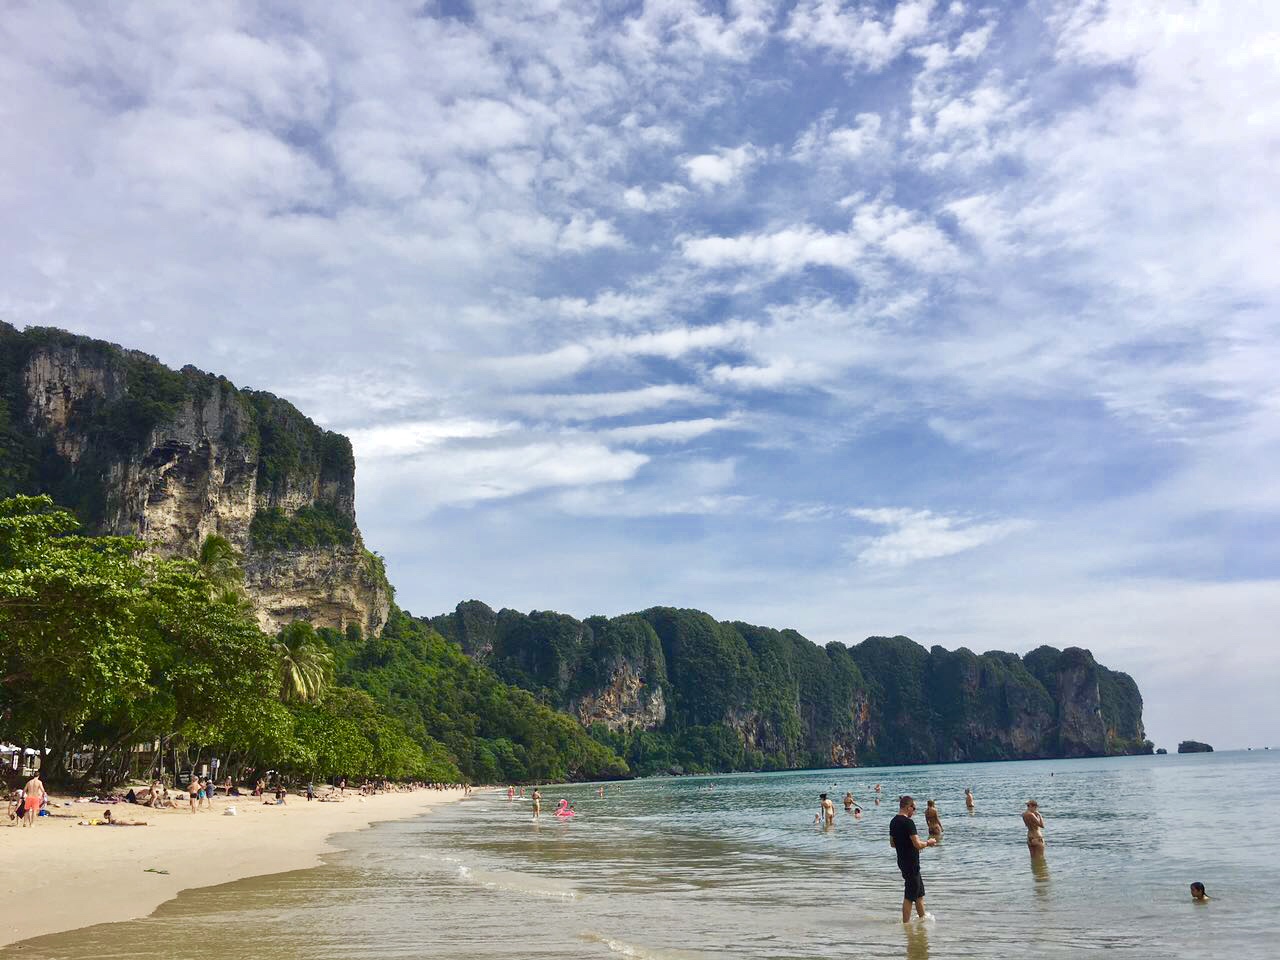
(734, 866)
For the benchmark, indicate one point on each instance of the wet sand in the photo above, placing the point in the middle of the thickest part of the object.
(59, 875)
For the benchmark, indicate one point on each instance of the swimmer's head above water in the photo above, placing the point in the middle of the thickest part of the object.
(1197, 891)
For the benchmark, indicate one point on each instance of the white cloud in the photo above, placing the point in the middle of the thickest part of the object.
(791, 248)
(405, 439)
(592, 406)
(922, 535)
(824, 141)
(671, 431)
(667, 196)
(581, 234)
(856, 32)
(469, 474)
(878, 230)
(722, 168)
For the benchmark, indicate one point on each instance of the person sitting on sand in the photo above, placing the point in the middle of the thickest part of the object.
(1197, 892)
(1034, 822)
(931, 818)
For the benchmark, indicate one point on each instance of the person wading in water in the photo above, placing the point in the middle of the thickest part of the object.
(904, 839)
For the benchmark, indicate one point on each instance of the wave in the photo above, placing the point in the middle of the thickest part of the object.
(511, 882)
(641, 952)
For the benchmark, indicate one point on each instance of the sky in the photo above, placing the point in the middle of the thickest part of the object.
(926, 318)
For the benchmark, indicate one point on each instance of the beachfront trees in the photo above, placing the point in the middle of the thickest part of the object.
(304, 663)
(103, 645)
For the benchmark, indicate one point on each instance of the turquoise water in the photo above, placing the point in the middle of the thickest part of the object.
(734, 867)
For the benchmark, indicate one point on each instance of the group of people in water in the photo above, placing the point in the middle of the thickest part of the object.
(564, 809)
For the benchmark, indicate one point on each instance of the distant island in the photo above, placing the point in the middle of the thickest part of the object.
(1194, 746)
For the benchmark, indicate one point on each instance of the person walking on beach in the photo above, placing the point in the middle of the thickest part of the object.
(968, 799)
(907, 843)
(931, 818)
(537, 802)
(1034, 822)
(828, 811)
(33, 796)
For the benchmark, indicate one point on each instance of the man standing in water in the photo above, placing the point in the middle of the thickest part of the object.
(968, 799)
(904, 839)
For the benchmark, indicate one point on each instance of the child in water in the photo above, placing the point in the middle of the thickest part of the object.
(1197, 892)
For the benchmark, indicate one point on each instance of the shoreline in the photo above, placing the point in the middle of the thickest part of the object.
(67, 876)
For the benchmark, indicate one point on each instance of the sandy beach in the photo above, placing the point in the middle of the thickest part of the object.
(66, 875)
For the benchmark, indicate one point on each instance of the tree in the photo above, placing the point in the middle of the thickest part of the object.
(305, 663)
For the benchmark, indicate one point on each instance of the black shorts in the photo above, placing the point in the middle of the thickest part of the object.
(913, 888)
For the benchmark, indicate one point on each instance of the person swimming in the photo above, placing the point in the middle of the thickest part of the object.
(1197, 892)
(563, 810)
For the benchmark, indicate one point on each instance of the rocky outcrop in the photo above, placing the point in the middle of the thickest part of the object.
(174, 457)
(1194, 746)
(625, 703)
(678, 690)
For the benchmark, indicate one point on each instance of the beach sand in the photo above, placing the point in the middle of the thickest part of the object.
(59, 876)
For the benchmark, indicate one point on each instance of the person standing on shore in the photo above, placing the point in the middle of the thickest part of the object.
(33, 796)
(537, 802)
(1034, 822)
(907, 843)
(931, 818)
(968, 799)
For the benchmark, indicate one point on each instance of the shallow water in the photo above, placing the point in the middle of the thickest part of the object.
(679, 869)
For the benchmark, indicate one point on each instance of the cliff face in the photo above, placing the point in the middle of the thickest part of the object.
(674, 688)
(173, 457)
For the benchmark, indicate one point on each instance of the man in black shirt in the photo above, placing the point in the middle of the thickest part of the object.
(904, 839)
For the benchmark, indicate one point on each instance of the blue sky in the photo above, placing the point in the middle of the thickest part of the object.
(943, 319)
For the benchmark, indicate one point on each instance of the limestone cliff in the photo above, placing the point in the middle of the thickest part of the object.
(173, 457)
(674, 689)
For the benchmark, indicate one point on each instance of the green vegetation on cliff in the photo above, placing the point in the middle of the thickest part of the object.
(675, 689)
(322, 525)
(496, 733)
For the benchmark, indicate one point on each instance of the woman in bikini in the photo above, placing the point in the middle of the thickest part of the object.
(1035, 827)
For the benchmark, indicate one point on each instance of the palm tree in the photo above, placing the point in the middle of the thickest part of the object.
(219, 564)
(305, 663)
